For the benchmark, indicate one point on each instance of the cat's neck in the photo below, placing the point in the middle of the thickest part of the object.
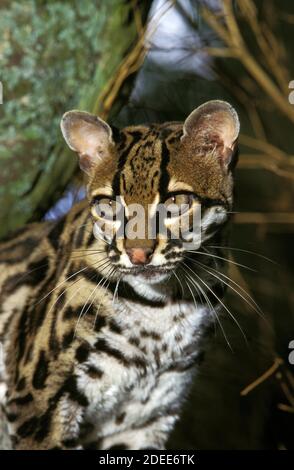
(156, 291)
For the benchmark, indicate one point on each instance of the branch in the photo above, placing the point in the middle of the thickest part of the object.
(231, 35)
(274, 152)
(130, 64)
(266, 375)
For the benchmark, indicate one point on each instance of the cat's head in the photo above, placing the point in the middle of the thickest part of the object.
(175, 166)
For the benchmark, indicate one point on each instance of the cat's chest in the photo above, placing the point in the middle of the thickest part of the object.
(150, 354)
(141, 348)
(160, 333)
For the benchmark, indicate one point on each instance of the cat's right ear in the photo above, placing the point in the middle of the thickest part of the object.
(214, 126)
(88, 135)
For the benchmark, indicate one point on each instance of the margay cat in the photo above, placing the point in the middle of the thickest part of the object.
(102, 336)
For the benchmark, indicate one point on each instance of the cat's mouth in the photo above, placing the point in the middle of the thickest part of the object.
(147, 272)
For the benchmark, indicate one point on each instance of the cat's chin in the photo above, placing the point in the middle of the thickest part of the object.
(153, 277)
(148, 276)
(150, 284)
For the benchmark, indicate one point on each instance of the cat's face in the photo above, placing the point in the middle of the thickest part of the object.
(156, 191)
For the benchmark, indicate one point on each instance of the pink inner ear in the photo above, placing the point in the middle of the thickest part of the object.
(220, 134)
(226, 130)
(213, 128)
(89, 140)
(87, 136)
(214, 117)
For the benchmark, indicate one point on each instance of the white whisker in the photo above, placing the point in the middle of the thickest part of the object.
(224, 259)
(220, 301)
(211, 307)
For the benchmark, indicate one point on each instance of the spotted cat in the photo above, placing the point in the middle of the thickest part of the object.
(102, 334)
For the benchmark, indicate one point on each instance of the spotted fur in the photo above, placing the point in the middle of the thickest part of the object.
(100, 353)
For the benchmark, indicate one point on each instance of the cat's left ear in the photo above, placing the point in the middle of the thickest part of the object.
(88, 135)
(214, 126)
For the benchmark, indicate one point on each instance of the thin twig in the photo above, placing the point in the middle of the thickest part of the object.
(131, 63)
(284, 407)
(231, 35)
(267, 374)
(285, 388)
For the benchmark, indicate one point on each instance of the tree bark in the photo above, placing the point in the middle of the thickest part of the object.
(53, 57)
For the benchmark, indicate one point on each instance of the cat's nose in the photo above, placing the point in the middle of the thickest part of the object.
(139, 255)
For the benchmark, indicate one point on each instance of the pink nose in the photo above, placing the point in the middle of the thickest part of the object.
(139, 255)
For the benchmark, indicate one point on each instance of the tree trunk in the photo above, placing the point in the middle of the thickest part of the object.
(53, 57)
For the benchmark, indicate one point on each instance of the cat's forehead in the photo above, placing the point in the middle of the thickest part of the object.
(143, 162)
(143, 154)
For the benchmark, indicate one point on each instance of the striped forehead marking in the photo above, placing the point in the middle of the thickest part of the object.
(142, 169)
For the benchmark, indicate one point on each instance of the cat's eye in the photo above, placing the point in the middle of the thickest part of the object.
(106, 208)
(178, 204)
